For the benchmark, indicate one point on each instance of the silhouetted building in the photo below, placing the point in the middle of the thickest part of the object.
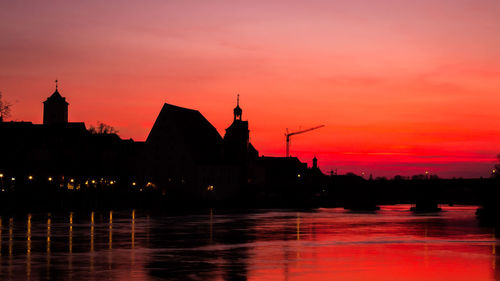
(237, 146)
(55, 109)
(59, 149)
(184, 156)
(318, 181)
(184, 152)
(282, 172)
(64, 150)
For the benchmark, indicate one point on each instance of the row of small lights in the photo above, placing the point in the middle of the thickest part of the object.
(30, 177)
(50, 179)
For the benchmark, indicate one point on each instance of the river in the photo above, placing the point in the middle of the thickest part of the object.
(320, 244)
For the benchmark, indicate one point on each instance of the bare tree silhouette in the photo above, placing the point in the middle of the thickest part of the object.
(4, 108)
(102, 129)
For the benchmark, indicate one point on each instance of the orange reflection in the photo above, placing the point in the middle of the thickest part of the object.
(49, 222)
(92, 232)
(92, 243)
(110, 230)
(133, 230)
(28, 248)
(110, 242)
(70, 247)
(70, 234)
(132, 252)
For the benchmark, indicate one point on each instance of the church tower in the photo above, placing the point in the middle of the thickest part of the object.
(236, 139)
(55, 109)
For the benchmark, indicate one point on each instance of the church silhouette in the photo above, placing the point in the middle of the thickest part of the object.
(183, 156)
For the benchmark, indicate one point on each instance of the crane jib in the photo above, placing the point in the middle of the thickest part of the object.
(288, 135)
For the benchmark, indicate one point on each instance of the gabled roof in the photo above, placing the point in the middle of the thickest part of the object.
(197, 135)
(56, 97)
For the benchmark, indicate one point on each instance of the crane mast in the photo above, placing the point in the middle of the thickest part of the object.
(288, 135)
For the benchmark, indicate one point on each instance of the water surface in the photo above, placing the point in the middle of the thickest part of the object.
(323, 244)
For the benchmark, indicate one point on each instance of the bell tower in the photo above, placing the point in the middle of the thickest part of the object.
(236, 139)
(55, 109)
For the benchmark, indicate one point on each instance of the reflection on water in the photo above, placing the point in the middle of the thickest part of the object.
(324, 244)
(47, 264)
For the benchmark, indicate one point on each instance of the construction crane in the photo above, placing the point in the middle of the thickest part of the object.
(288, 135)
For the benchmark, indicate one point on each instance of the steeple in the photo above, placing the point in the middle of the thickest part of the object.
(315, 162)
(56, 96)
(55, 108)
(237, 110)
(236, 139)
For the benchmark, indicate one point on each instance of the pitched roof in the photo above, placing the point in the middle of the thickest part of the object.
(197, 135)
(56, 97)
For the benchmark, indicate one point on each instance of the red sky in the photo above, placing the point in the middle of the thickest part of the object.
(402, 86)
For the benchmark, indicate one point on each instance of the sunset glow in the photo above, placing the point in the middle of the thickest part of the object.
(402, 87)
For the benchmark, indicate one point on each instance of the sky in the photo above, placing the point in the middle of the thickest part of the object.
(402, 86)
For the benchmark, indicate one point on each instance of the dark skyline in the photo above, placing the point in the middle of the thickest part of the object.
(403, 87)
